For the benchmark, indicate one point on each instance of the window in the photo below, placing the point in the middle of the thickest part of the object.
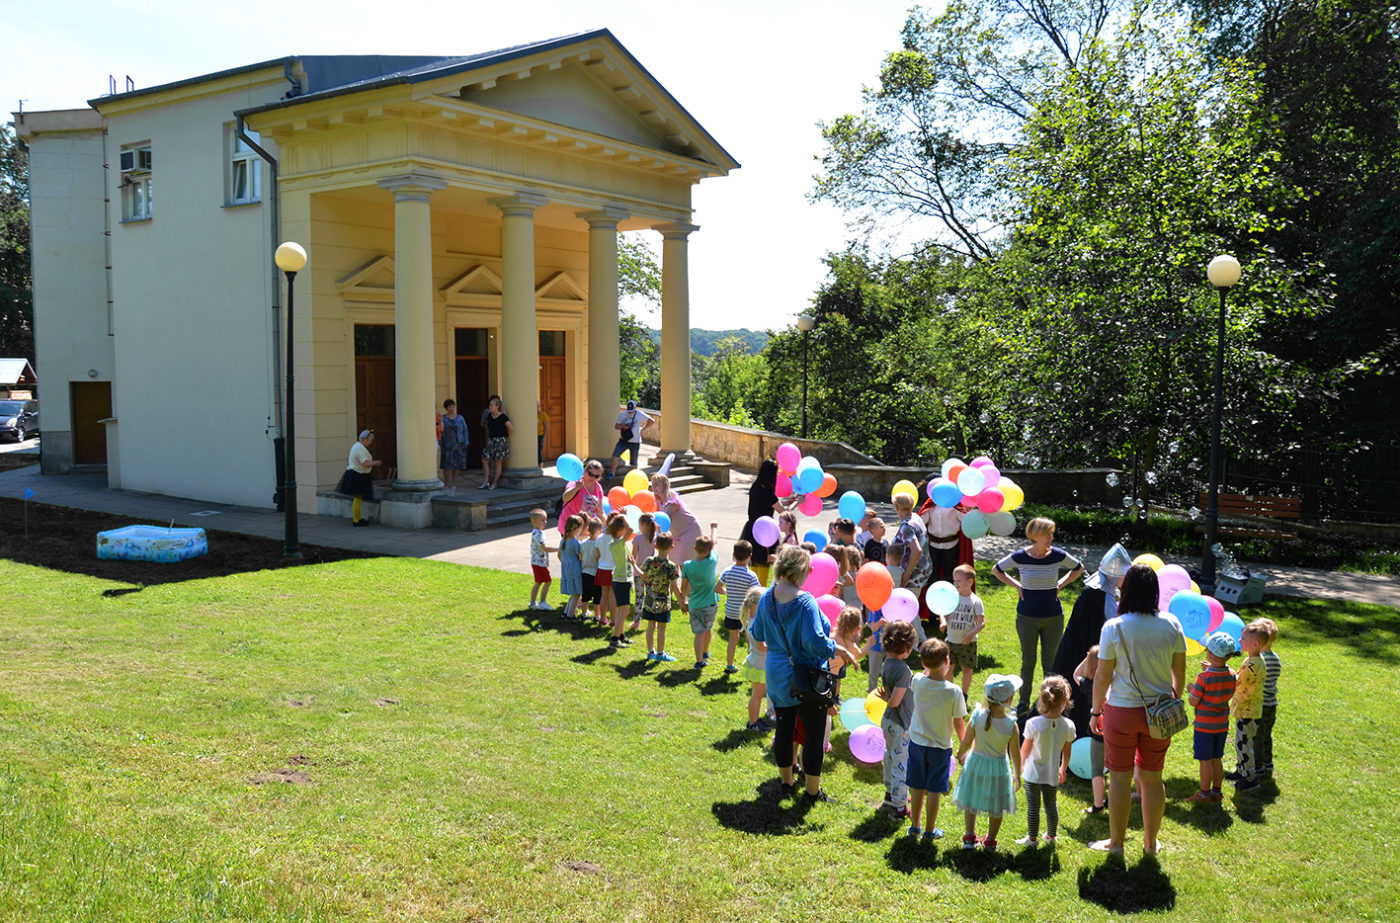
(136, 182)
(244, 169)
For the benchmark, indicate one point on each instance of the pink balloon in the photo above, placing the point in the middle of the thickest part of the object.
(1171, 579)
(784, 486)
(981, 461)
(1217, 613)
(789, 456)
(990, 500)
(811, 505)
(902, 606)
(868, 743)
(831, 607)
(990, 472)
(823, 576)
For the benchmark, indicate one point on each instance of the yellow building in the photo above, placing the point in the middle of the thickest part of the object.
(460, 215)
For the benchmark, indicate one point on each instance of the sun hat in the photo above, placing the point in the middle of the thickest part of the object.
(1001, 688)
(1221, 644)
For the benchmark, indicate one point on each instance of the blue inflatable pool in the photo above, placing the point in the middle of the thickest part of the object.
(151, 543)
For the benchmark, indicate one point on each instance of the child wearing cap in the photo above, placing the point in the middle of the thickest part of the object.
(987, 784)
(1247, 707)
(1210, 696)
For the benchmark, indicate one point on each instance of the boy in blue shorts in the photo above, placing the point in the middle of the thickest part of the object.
(939, 710)
(735, 584)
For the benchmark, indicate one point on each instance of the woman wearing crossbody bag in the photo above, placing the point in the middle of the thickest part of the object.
(1154, 645)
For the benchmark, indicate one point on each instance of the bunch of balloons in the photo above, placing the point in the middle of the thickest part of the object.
(803, 474)
(979, 486)
(862, 718)
(1199, 615)
(632, 497)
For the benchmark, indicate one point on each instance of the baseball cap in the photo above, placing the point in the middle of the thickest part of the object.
(631, 405)
(1221, 644)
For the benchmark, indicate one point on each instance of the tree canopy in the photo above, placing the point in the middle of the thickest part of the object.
(16, 283)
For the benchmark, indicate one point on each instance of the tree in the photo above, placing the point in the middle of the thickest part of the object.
(638, 279)
(16, 282)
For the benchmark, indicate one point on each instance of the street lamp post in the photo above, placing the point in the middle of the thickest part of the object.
(290, 258)
(1223, 272)
(805, 323)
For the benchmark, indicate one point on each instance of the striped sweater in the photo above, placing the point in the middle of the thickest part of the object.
(1211, 695)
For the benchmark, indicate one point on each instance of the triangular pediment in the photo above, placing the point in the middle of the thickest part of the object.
(477, 281)
(561, 289)
(374, 279)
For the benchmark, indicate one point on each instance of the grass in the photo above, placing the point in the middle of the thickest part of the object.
(452, 757)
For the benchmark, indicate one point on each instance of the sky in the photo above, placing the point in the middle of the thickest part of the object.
(758, 74)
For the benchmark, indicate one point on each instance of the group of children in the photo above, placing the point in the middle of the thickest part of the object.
(926, 717)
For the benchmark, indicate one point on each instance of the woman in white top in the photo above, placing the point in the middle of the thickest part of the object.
(1142, 656)
(357, 481)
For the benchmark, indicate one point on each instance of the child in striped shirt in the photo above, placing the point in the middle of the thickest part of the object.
(1264, 736)
(1210, 696)
(735, 583)
(1246, 707)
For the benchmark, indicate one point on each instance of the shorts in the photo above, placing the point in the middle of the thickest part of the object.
(753, 674)
(656, 616)
(541, 573)
(602, 578)
(590, 592)
(732, 624)
(962, 656)
(622, 594)
(1208, 745)
(703, 619)
(623, 447)
(929, 768)
(1127, 741)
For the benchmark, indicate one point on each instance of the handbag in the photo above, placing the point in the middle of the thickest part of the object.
(1166, 714)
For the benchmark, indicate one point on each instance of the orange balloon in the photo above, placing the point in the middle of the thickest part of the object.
(645, 501)
(828, 485)
(954, 471)
(619, 497)
(874, 585)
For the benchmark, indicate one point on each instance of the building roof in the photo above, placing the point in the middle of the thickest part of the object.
(15, 372)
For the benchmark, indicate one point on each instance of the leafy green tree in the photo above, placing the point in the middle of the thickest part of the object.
(638, 279)
(16, 282)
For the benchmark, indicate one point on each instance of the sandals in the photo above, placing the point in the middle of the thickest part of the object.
(1096, 809)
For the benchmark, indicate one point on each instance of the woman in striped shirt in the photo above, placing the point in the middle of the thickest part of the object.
(1039, 615)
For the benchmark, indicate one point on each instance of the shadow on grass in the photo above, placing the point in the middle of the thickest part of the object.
(639, 667)
(1116, 887)
(1250, 805)
(979, 864)
(907, 855)
(876, 827)
(768, 813)
(737, 738)
(534, 620)
(591, 657)
(1372, 632)
(1211, 818)
(841, 753)
(1034, 863)
(722, 684)
(673, 678)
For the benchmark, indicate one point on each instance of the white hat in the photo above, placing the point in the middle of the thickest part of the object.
(1001, 688)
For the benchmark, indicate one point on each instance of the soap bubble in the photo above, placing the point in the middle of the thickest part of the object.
(1194, 513)
(1124, 539)
(1217, 549)
(1142, 503)
(1127, 502)
(982, 417)
(1035, 461)
(1074, 493)
(1112, 479)
(1142, 515)
(1174, 447)
(1150, 477)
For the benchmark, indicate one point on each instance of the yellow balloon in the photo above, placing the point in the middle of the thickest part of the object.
(1192, 648)
(904, 487)
(635, 480)
(874, 708)
(1151, 560)
(1195, 587)
(1013, 494)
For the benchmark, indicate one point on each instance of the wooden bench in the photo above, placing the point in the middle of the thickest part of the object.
(1251, 507)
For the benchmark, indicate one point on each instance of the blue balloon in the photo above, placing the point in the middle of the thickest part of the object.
(1233, 624)
(1079, 762)
(662, 520)
(853, 713)
(809, 478)
(852, 506)
(946, 494)
(816, 537)
(569, 466)
(607, 507)
(1192, 611)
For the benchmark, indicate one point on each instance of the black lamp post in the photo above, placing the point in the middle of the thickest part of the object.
(290, 258)
(805, 323)
(1223, 272)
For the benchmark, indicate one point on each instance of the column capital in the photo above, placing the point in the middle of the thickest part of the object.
(606, 217)
(677, 230)
(412, 186)
(522, 204)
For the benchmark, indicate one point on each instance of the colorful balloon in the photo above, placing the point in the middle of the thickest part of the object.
(809, 476)
(971, 482)
(949, 465)
(828, 485)
(1233, 625)
(1151, 560)
(569, 466)
(811, 505)
(874, 584)
(1079, 761)
(831, 607)
(619, 497)
(765, 531)
(853, 716)
(1193, 647)
(980, 461)
(955, 472)
(1012, 493)
(645, 501)
(904, 487)
(990, 473)
(990, 500)
(1171, 579)
(789, 456)
(784, 487)
(875, 707)
(823, 576)
(1192, 611)
(974, 524)
(942, 597)
(635, 480)
(851, 506)
(1217, 615)
(663, 522)
(1001, 523)
(633, 515)
(902, 606)
(868, 743)
(944, 493)
(815, 536)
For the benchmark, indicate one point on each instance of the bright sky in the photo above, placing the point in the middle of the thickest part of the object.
(758, 74)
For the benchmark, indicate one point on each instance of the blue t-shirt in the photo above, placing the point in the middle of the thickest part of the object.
(870, 619)
(701, 574)
(795, 632)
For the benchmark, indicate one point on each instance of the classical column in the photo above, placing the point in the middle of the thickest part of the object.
(675, 337)
(520, 337)
(414, 380)
(604, 362)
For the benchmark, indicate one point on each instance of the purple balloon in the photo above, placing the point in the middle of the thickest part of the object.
(902, 606)
(765, 531)
(868, 743)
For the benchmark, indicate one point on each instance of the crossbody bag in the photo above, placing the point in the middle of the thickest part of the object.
(1166, 714)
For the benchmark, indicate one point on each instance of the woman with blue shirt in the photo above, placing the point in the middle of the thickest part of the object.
(796, 632)
(1039, 615)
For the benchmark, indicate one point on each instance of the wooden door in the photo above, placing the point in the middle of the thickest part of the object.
(552, 401)
(91, 401)
(473, 388)
(375, 408)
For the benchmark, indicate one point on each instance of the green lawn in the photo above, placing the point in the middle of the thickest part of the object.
(458, 764)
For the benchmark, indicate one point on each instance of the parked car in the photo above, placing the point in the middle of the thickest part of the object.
(19, 419)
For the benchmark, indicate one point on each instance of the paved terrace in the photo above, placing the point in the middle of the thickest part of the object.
(507, 548)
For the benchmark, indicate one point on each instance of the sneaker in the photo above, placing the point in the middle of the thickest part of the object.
(1029, 840)
(706, 658)
(755, 727)
(989, 844)
(787, 789)
(651, 655)
(970, 841)
(359, 523)
(820, 796)
(1096, 809)
(482, 486)
(731, 669)
(1234, 775)
(1106, 846)
(699, 664)
(624, 641)
(1246, 785)
(613, 642)
(1200, 798)
(896, 813)
(665, 657)
(768, 723)
(931, 835)
(1050, 839)
(914, 832)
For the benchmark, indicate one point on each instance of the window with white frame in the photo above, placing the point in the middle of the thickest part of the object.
(244, 169)
(136, 182)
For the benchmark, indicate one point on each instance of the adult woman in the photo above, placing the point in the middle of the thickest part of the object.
(486, 462)
(763, 501)
(452, 443)
(1142, 656)
(584, 495)
(685, 528)
(498, 430)
(356, 481)
(797, 634)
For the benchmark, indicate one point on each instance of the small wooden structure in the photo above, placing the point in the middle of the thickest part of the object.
(17, 380)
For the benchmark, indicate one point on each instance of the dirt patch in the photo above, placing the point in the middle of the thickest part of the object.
(9, 461)
(300, 760)
(289, 776)
(298, 703)
(385, 703)
(65, 539)
(583, 867)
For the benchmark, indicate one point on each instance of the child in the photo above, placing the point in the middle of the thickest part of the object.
(539, 560)
(843, 532)
(1045, 757)
(895, 682)
(963, 624)
(846, 634)
(939, 711)
(787, 528)
(621, 554)
(735, 583)
(589, 557)
(865, 529)
(603, 580)
(1247, 706)
(849, 560)
(987, 784)
(698, 594)
(1039, 616)
(875, 548)
(643, 547)
(1210, 695)
(754, 664)
(1084, 680)
(659, 586)
(1264, 737)
(571, 564)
